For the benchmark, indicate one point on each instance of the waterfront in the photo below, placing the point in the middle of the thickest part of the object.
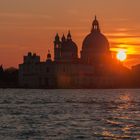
(70, 114)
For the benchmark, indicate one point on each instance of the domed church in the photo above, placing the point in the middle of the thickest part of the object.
(94, 69)
(66, 49)
(95, 49)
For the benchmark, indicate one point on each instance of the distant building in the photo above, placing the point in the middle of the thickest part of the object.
(8, 77)
(136, 69)
(136, 75)
(1, 75)
(94, 69)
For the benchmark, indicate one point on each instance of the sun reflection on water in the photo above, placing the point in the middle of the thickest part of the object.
(125, 98)
(125, 101)
(120, 118)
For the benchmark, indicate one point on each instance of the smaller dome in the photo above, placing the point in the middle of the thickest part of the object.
(69, 45)
(49, 55)
(69, 49)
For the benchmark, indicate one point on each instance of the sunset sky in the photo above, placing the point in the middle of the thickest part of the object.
(30, 25)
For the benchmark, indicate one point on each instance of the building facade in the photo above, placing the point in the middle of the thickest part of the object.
(94, 69)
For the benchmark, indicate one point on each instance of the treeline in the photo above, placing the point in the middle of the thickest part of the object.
(8, 77)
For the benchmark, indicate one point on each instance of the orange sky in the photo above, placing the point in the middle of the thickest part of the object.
(30, 25)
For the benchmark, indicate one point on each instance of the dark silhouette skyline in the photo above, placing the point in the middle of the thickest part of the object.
(95, 68)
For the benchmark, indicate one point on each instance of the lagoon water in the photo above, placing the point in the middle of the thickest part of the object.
(70, 114)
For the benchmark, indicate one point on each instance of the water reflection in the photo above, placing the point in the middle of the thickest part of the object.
(70, 114)
(120, 120)
(125, 102)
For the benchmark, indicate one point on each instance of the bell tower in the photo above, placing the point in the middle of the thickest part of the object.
(57, 48)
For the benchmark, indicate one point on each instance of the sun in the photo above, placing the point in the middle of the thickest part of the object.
(121, 55)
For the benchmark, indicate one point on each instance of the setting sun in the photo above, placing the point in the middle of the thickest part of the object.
(121, 55)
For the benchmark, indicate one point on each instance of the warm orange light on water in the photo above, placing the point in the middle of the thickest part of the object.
(121, 55)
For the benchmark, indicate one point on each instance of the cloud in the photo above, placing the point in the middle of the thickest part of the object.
(125, 44)
(122, 36)
(24, 15)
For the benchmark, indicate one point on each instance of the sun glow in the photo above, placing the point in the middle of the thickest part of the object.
(121, 55)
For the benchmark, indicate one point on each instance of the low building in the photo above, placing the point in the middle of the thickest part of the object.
(136, 75)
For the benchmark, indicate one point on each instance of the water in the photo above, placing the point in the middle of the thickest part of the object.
(69, 114)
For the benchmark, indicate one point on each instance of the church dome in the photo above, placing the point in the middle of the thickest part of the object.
(96, 41)
(69, 45)
(69, 49)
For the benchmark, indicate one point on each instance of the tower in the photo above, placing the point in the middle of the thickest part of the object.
(57, 48)
(63, 38)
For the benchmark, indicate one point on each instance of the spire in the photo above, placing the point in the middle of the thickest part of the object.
(49, 55)
(95, 25)
(95, 17)
(63, 38)
(69, 35)
(57, 37)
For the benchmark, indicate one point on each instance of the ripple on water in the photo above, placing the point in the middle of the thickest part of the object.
(70, 114)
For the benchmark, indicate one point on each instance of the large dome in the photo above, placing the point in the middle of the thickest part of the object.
(95, 47)
(96, 41)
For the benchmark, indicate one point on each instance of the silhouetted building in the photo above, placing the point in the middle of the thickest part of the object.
(8, 77)
(95, 49)
(1, 75)
(136, 75)
(94, 69)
